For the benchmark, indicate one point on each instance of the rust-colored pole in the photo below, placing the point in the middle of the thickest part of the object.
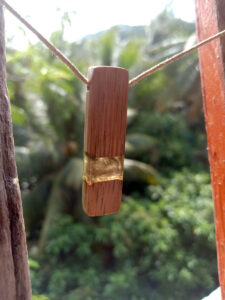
(14, 271)
(210, 20)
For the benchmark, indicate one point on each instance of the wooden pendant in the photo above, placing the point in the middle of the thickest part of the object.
(104, 140)
(210, 20)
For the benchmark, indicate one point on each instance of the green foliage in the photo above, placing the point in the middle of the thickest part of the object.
(107, 41)
(161, 244)
(179, 150)
(157, 247)
(18, 115)
(33, 264)
(129, 55)
(39, 297)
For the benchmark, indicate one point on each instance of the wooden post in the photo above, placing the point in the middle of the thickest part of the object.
(104, 141)
(14, 271)
(210, 20)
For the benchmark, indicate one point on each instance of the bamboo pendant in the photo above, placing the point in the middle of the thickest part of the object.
(104, 140)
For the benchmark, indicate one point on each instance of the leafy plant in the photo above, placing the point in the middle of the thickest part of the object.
(161, 244)
(158, 246)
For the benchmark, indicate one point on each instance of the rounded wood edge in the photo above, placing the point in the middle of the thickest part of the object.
(95, 69)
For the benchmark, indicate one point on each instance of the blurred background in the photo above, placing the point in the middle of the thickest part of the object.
(161, 243)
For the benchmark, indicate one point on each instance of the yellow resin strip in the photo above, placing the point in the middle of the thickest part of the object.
(100, 169)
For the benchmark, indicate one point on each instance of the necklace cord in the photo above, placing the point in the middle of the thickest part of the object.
(81, 76)
(174, 58)
(56, 51)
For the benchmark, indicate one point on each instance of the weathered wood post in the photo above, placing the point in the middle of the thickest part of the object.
(14, 271)
(210, 20)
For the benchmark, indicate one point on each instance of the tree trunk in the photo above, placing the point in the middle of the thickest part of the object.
(14, 271)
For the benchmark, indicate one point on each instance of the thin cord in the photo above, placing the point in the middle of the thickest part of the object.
(173, 58)
(75, 70)
(56, 51)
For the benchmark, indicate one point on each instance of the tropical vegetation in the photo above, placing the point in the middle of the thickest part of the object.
(161, 243)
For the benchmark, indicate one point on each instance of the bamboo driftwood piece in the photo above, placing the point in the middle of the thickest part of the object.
(104, 142)
(14, 271)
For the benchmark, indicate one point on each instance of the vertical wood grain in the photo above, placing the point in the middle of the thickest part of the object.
(14, 270)
(105, 131)
(210, 20)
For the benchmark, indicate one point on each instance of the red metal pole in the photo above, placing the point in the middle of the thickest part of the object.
(210, 20)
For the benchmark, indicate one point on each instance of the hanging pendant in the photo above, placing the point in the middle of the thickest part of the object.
(104, 140)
